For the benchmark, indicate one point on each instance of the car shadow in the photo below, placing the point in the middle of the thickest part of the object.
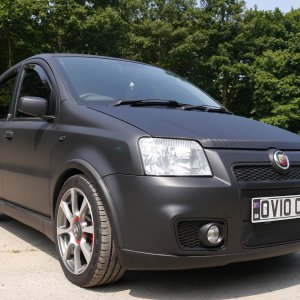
(28, 234)
(232, 281)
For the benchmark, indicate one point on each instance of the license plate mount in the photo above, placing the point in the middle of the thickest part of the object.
(270, 209)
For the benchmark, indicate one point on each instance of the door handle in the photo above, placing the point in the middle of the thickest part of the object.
(8, 134)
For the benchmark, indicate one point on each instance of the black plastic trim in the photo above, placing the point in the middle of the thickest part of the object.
(28, 217)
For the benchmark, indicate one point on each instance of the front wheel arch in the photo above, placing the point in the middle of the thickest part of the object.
(79, 166)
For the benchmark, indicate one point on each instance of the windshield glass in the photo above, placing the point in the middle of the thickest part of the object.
(105, 81)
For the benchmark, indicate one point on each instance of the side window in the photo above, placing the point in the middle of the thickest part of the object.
(35, 83)
(6, 95)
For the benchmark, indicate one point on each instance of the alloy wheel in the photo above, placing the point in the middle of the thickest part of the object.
(75, 230)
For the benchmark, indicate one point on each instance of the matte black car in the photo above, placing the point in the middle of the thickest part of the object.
(128, 166)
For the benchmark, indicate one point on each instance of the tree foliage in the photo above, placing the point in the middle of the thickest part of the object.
(249, 60)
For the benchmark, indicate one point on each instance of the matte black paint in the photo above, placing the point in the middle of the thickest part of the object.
(213, 130)
(101, 142)
(28, 105)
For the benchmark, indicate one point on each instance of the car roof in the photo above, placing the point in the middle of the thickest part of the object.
(50, 56)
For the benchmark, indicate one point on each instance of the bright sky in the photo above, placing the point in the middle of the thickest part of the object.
(284, 5)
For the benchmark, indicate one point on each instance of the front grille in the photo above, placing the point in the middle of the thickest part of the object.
(271, 233)
(265, 173)
(264, 234)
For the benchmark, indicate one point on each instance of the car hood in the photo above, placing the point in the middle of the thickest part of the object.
(211, 129)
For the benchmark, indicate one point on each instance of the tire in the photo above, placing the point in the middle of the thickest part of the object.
(84, 241)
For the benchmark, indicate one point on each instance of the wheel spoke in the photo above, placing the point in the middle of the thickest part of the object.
(84, 208)
(86, 250)
(88, 229)
(65, 208)
(74, 201)
(77, 261)
(68, 251)
(61, 231)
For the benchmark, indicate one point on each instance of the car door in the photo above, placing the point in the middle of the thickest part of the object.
(28, 142)
(7, 90)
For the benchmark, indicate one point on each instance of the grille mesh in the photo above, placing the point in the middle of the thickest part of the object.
(262, 234)
(269, 233)
(265, 173)
(188, 234)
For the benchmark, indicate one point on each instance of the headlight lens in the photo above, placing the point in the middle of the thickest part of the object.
(172, 157)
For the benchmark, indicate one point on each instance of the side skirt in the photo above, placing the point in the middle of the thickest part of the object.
(28, 217)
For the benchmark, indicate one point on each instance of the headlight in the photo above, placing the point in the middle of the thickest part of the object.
(171, 157)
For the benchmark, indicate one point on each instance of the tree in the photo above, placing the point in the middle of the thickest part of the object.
(277, 80)
(15, 27)
(249, 60)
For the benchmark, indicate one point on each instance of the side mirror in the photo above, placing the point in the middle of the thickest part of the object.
(33, 106)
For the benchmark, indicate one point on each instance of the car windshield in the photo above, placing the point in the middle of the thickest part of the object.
(105, 81)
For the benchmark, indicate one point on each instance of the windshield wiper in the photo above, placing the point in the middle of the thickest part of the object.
(207, 108)
(171, 103)
(148, 102)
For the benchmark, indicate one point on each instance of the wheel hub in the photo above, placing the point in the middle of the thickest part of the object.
(77, 230)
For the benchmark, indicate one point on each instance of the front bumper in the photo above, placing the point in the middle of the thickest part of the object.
(133, 260)
(147, 210)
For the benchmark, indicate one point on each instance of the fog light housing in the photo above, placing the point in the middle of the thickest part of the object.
(211, 235)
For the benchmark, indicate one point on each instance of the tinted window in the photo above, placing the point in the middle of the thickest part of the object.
(35, 83)
(6, 95)
(106, 80)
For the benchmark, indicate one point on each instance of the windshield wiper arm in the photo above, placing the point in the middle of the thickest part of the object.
(171, 103)
(207, 108)
(148, 102)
